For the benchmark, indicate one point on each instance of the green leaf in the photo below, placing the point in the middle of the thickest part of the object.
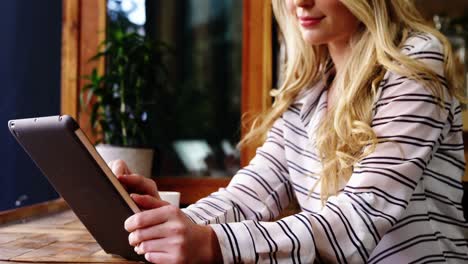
(135, 71)
(94, 116)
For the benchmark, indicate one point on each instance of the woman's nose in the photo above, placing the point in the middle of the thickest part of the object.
(304, 2)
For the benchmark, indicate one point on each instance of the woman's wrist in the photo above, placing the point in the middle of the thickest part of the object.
(210, 249)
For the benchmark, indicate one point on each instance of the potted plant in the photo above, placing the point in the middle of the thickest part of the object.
(121, 100)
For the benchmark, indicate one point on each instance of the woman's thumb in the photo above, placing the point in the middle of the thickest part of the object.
(146, 202)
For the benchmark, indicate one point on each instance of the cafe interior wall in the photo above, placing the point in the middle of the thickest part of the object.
(30, 43)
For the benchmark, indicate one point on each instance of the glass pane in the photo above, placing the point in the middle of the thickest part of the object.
(195, 118)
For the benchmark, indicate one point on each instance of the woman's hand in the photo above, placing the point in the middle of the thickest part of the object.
(165, 235)
(134, 183)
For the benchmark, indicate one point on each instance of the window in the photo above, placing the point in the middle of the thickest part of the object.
(79, 43)
(196, 122)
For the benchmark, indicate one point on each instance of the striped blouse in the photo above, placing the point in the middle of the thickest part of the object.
(402, 203)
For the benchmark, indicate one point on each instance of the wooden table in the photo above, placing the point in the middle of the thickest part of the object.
(48, 233)
(51, 233)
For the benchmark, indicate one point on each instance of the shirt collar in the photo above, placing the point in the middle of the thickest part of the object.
(312, 100)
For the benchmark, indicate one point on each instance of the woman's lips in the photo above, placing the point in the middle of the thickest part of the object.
(310, 21)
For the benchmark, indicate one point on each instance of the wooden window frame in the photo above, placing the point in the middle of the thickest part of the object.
(83, 28)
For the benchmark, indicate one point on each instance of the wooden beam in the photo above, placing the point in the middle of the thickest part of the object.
(93, 32)
(83, 28)
(70, 54)
(256, 65)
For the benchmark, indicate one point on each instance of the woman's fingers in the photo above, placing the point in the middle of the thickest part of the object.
(147, 202)
(154, 245)
(166, 235)
(134, 183)
(119, 167)
(160, 257)
(150, 233)
(138, 184)
(150, 217)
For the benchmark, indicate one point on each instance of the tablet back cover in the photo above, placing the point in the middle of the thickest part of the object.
(52, 144)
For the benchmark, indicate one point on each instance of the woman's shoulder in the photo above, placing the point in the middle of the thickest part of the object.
(425, 48)
(422, 45)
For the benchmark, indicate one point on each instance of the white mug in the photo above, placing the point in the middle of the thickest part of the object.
(171, 197)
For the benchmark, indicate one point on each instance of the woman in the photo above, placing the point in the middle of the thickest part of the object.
(365, 133)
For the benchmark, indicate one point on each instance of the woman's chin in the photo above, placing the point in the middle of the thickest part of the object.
(313, 38)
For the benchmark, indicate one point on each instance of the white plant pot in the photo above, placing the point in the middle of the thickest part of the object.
(139, 160)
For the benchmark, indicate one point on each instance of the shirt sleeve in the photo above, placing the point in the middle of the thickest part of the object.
(258, 191)
(411, 124)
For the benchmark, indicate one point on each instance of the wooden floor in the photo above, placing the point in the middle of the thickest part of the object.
(55, 238)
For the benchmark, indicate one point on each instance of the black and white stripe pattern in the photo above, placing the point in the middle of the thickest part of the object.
(401, 205)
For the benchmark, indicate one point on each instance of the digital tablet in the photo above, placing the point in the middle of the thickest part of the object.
(78, 173)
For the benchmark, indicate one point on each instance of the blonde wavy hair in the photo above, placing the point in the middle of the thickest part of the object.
(346, 137)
